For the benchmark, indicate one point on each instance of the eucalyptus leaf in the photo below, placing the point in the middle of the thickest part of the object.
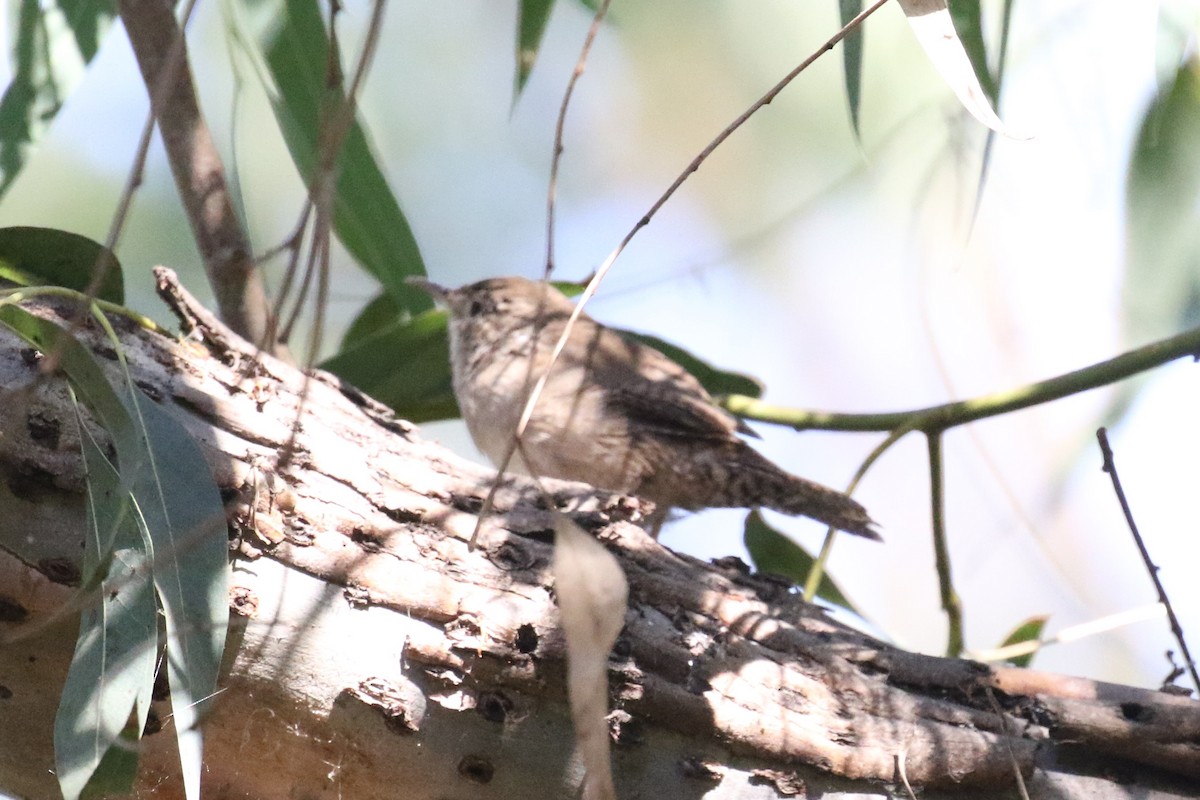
(52, 45)
(1028, 631)
(531, 25)
(31, 256)
(185, 518)
(1162, 269)
(294, 49)
(852, 59)
(112, 672)
(772, 551)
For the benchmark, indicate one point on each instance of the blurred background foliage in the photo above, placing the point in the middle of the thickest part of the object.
(839, 249)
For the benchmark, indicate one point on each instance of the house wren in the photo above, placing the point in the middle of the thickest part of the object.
(614, 413)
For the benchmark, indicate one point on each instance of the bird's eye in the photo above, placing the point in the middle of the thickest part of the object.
(476, 308)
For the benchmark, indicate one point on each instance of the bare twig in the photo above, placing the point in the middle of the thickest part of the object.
(1110, 467)
(199, 175)
(601, 12)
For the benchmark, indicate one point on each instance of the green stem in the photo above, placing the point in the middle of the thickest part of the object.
(23, 293)
(951, 603)
(934, 419)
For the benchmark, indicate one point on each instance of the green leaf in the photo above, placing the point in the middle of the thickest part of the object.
(1162, 270)
(112, 671)
(1028, 631)
(32, 256)
(852, 59)
(717, 381)
(182, 511)
(772, 551)
(294, 46)
(405, 364)
(52, 46)
(181, 515)
(968, 23)
(115, 775)
(531, 24)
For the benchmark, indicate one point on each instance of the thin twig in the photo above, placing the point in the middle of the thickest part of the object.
(951, 602)
(1012, 757)
(950, 415)
(1109, 466)
(552, 190)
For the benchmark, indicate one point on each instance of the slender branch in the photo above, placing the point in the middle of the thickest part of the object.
(943, 417)
(951, 602)
(1111, 468)
(552, 190)
(199, 175)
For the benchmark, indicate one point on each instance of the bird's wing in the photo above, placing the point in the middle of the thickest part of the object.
(658, 394)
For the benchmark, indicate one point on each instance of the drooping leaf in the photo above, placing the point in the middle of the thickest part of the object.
(531, 24)
(185, 519)
(112, 672)
(1162, 269)
(772, 551)
(592, 595)
(934, 28)
(1028, 631)
(293, 48)
(52, 45)
(31, 256)
(967, 17)
(852, 59)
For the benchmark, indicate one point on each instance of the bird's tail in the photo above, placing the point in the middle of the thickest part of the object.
(772, 487)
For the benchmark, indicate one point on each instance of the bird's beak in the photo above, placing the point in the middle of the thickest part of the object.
(434, 290)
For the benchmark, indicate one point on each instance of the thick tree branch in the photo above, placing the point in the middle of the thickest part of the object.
(373, 654)
(161, 51)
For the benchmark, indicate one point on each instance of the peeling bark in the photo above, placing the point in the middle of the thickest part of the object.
(372, 654)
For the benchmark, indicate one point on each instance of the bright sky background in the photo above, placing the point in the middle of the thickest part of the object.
(848, 278)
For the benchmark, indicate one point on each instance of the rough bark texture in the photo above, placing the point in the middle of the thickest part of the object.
(372, 654)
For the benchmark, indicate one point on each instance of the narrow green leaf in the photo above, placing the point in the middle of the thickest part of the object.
(183, 513)
(772, 551)
(405, 364)
(112, 672)
(1162, 282)
(968, 22)
(53, 44)
(1028, 631)
(367, 218)
(852, 59)
(31, 256)
(531, 24)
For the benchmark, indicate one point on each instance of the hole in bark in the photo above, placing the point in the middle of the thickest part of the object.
(60, 570)
(153, 723)
(12, 611)
(1136, 712)
(494, 706)
(469, 503)
(477, 769)
(43, 429)
(5, 692)
(527, 639)
(30, 482)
